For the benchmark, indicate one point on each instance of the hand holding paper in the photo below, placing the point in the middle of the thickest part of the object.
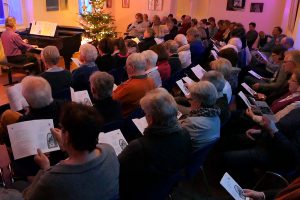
(232, 187)
(42, 160)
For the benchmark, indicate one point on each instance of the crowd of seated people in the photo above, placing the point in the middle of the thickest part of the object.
(138, 76)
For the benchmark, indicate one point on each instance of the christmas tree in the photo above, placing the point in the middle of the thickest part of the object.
(96, 22)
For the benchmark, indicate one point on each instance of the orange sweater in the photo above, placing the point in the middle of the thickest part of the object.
(130, 92)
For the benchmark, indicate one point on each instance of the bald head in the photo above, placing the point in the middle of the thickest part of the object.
(36, 91)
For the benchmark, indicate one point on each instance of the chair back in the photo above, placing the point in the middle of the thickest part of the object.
(197, 159)
(271, 181)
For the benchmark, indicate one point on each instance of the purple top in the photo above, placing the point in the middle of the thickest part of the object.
(13, 43)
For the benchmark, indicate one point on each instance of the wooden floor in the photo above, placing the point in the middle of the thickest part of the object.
(3, 80)
(19, 76)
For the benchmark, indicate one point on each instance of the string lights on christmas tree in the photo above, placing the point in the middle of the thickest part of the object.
(96, 22)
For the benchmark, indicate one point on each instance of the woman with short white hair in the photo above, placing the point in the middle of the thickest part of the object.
(80, 76)
(224, 66)
(149, 162)
(151, 68)
(183, 50)
(58, 78)
(102, 85)
(203, 122)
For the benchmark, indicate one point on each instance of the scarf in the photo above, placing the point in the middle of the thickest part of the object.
(206, 112)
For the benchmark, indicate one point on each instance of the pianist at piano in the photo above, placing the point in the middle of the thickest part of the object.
(14, 47)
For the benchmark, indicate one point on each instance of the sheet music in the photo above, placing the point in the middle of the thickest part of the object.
(232, 187)
(81, 97)
(27, 137)
(76, 61)
(179, 114)
(198, 71)
(250, 90)
(115, 87)
(141, 124)
(115, 139)
(215, 48)
(43, 28)
(215, 55)
(136, 40)
(263, 56)
(188, 80)
(16, 100)
(182, 87)
(253, 73)
(245, 99)
(158, 40)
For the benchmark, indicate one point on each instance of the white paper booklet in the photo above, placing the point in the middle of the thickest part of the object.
(81, 97)
(158, 40)
(115, 139)
(215, 48)
(263, 56)
(182, 87)
(141, 124)
(198, 71)
(253, 73)
(76, 61)
(136, 40)
(215, 55)
(27, 137)
(16, 100)
(249, 89)
(188, 80)
(115, 87)
(232, 187)
(245, 99)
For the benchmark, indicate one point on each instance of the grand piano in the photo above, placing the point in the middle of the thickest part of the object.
(67, 39)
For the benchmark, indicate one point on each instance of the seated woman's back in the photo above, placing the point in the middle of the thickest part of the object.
(96, 179)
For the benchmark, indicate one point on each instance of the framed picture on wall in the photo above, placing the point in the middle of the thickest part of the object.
(257, 7)
(155, 5)
(108, 3)
(52, 5)
(236, 5)
(125, 3)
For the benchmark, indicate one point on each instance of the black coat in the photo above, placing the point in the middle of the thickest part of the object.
(106, 63)
(109, 109)
(148, 163)
(174, 63)
(146, 43)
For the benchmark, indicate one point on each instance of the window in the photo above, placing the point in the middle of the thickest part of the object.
(84, 4)
(11, 8)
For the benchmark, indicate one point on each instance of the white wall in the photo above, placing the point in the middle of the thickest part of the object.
(125, 16)
(269, 18)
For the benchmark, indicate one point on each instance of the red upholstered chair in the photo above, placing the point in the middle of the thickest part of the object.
(5, 169)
